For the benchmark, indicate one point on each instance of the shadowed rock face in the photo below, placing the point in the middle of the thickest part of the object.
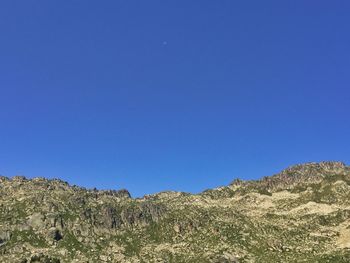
(301, 214)
(41, 259)
(127, 216)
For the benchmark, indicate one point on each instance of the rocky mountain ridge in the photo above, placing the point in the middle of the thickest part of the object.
(301, 214)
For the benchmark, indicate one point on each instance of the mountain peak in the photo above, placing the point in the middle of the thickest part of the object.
(314, 168)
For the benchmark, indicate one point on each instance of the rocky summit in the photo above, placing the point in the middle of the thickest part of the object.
(301, 214)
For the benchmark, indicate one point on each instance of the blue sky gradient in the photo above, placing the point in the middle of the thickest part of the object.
(171, 95)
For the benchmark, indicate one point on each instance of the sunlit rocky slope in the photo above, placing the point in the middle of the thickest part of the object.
(299, 215)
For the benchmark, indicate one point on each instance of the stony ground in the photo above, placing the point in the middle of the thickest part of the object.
(299, 215)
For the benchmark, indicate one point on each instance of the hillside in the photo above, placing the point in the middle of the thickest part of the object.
(301, 214)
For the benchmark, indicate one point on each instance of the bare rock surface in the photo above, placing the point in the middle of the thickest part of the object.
(301, 214)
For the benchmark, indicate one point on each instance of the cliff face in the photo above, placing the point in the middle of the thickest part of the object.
(299, 215)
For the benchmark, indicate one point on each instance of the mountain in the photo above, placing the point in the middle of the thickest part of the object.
(301, 214)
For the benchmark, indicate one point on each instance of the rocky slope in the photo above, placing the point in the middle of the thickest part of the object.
(299, 215)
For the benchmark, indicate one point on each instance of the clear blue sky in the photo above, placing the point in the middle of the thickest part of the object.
(171, 95)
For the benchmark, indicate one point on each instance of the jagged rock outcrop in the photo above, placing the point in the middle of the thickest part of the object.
(301, 214)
